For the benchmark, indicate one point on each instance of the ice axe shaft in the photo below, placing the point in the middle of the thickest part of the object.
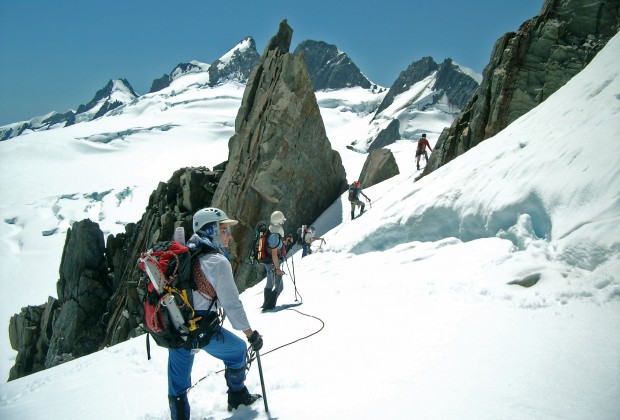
(262, 381)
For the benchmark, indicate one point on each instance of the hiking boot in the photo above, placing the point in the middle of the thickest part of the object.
(243, 397)
(179, 407)
(266, 296)
(271, 297)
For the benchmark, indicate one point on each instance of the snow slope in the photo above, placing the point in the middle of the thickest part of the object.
(417, 309)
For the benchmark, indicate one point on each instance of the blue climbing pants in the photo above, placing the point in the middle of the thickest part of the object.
(225, 346)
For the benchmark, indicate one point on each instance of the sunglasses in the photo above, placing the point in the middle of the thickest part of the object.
(226, 231)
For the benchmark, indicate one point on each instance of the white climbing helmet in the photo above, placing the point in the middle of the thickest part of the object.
(277, 218)
(209, 215)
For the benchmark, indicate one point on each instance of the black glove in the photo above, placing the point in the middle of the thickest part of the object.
(256, 341)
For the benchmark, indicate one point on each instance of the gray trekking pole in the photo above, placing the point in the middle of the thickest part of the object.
(262, 381)
(293, 278)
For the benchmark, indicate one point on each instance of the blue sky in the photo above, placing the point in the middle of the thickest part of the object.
(57, 54)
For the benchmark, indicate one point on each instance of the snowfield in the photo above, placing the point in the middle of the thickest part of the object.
(489, 289)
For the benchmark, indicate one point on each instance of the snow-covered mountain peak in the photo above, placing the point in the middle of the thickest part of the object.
(469, 72)
(122, 91)
(116, 93)
(236, 64)
(193, 66)
(246, 44)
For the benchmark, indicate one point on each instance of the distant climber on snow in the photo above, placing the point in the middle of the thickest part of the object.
(421, 150)
(308, 238)
(354, 197)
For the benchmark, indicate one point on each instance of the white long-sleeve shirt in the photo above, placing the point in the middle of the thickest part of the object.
(218, 271)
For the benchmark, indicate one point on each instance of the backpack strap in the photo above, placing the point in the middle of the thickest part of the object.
(203, 285)
(196, 254)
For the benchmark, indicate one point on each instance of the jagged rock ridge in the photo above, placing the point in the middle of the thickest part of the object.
(279, 157)
(527, 67)
(329, 67)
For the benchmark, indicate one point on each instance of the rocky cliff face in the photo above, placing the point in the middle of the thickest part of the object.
(527, 67)
(456, 85)
(70, 327)
(101, 289)
(172, 205)
(330, 68)
(279, 157)
(387, 136)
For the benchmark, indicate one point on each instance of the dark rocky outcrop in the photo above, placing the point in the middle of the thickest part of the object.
(83, 291)
(68, 118)
(30, 333)
(330, 68)
(69, 327)
(456, 85)
(387, 136)
(171, 205)
(100, 289)
(160, 83)
(379, 166)
(527, 67)
(13, 130)
(279, 157)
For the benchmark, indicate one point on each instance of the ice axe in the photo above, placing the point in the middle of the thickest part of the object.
(262, 381)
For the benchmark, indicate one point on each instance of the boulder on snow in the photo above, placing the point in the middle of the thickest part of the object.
(379, 166)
